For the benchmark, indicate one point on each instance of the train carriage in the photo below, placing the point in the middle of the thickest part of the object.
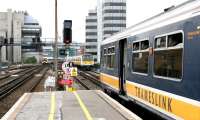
(156, 63)
(85, 61)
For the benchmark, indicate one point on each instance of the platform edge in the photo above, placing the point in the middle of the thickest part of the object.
(121, 109)
(12, 113)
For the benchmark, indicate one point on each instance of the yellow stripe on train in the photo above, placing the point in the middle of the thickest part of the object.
(88, 62)
(168, 104)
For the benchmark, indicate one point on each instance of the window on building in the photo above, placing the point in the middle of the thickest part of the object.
(140, 56)
(168, 60)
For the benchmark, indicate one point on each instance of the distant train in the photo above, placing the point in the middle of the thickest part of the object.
(156, 63)
(85, 61)
(44, 60)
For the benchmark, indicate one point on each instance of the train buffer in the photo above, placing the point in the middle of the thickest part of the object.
(77, 105)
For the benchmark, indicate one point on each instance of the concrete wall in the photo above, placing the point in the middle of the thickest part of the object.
(11, 25)
(18, 21)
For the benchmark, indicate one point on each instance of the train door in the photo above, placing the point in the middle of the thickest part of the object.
(122, 66)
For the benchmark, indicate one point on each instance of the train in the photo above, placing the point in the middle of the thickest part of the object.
(85, 61)
(156, 63)
(44, 60)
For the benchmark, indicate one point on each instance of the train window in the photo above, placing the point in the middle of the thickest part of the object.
(144, 45)
(111, 57)
(140, 56)
(174, 39)
(105, 60)
(168, 62)
(140, 62)
(113, 50)
(160, 42)
(109, 61)
(105, 56)
(87, 57)
(104, 52)
(109, 51)
(135, 46)
(102, 59)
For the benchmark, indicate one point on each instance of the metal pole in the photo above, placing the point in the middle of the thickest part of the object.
(56, 38)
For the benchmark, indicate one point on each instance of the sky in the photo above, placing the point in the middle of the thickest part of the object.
(77, 10)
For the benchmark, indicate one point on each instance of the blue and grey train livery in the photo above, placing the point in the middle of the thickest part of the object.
(156, 63)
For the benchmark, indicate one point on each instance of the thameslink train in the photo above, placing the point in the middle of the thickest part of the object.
(156, 63)
(83, 61)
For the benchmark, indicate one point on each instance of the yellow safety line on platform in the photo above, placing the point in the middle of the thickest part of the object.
(53, 105)
(83, 107)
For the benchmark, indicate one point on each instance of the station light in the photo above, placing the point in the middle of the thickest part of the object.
(67, 32)
(67, 36)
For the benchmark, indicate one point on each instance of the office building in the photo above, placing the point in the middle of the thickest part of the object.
(21, 32)
(91, 34)
(109, 18)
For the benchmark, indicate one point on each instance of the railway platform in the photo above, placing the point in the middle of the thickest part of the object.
(63, 105)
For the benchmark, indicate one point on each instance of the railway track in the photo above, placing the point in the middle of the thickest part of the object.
(15, 70)
(88, 80)
(37, 81)
(12, 73)
(93, 74)
(14, 88)
(12, 83)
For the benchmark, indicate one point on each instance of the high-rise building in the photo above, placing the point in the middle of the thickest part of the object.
(31, 43)
(23, 32)
(111, 18)
(91, 34)
(10, 29)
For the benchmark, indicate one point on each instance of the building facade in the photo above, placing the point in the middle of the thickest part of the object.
(14, 29)
(111, 18)
(91, 34)
(10, 31)
(31, 43)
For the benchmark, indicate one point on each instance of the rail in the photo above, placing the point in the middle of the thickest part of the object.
(88, 81)
(10, 85)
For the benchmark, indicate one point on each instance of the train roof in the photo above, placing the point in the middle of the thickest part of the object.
(170, 15)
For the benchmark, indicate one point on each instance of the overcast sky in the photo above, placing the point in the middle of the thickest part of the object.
(77, 10)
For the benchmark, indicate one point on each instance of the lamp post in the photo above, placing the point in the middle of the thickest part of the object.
(55, 44)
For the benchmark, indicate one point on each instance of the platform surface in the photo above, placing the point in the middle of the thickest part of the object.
(79, 105)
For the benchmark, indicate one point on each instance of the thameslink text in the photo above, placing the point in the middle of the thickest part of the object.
(155, 99)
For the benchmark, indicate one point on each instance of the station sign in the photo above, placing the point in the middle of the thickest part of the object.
(69, 71)
(65, 66)
(74, 71)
